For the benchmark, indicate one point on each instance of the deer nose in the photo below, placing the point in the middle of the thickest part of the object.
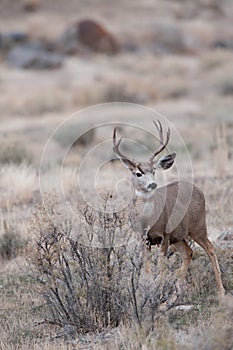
(152, 186)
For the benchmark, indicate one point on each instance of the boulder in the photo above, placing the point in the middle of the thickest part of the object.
(31, 5)
(223, 44)
(34, 56)
(226, 236)
(68, 42)
(96, 37)
(8, 40)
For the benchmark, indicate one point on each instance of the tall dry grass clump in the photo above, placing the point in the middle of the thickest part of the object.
(90, 281)
(11, 242)
(221, 151)
(17, 184)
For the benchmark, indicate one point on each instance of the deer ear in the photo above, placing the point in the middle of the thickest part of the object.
(165, 162)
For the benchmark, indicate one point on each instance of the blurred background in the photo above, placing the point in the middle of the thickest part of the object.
(58, 57)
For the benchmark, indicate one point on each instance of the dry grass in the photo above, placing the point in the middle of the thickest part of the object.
(14, 151)
(24, 310)
(191, 85)
(17, 184)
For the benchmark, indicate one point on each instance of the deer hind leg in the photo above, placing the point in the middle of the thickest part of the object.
(209, 248)
(186, 253)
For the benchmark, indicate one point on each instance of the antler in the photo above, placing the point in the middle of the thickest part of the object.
(116, 149)
(159, 127)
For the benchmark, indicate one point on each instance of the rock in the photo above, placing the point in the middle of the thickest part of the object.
(11, 39)
(68, 43)
(31, 5)
(87, 35)
(34, 56)
(97, 38)
(226, 236)
(223, 44)
(185, 308)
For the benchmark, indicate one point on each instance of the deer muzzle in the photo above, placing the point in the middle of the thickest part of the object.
(152, 186)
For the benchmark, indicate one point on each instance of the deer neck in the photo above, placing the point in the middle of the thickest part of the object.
(145, 206)
(144, 195)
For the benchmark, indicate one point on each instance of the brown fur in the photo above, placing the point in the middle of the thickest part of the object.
(170, 214)
(192, 225)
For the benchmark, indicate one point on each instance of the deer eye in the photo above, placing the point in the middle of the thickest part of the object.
(138, 174)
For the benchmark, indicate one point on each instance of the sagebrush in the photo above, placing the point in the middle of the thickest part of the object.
(87, 279)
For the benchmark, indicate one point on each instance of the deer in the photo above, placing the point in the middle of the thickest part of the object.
(169, 217)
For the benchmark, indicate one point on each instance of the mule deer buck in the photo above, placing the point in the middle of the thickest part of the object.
(171, 214)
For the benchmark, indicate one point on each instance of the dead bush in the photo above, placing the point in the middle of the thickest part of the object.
(88, 278)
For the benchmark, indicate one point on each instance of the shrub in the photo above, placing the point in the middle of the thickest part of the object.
(88, 279)
(68, 135)
(119, 92)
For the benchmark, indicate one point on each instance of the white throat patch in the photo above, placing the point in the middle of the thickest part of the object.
(144, 195)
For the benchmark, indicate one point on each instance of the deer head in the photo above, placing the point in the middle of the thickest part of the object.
(143, 172)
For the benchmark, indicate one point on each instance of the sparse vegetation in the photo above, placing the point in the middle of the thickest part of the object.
(10, 244)
(89, 283)
(87, 279)
(17, 184)
(121, 92)
(219, 335)
(75, 134)
(71, 287)
(14, 152)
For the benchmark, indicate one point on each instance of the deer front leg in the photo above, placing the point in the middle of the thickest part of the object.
(146, 248)
(165, 244)
(144, 234)
(146, 238)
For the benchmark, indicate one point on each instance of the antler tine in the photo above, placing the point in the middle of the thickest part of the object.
(116, 146)
(115, 143)
(159, 127)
